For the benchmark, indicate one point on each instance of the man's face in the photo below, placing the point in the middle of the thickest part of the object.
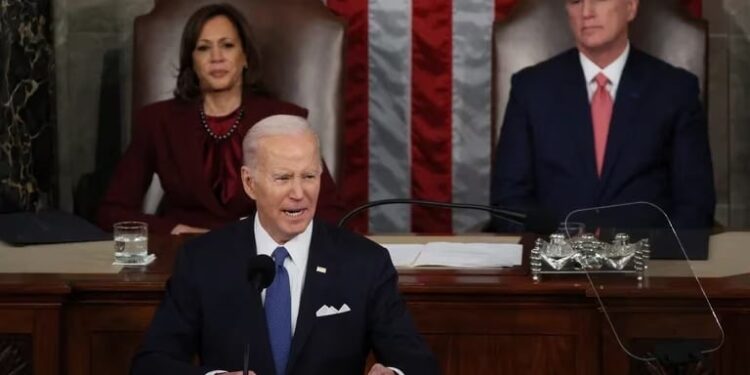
(285, 183)
(600, 25)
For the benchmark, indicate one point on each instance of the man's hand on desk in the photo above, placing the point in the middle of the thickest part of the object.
(186, 229)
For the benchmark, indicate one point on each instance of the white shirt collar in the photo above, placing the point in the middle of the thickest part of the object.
(613, 71)
(298, 247)
(299, 250)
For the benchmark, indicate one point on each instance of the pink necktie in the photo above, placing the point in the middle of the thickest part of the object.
(601, 114)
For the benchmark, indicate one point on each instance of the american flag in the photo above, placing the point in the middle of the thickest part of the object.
(417, 108)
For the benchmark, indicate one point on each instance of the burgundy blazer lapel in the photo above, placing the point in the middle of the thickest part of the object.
(184, 134)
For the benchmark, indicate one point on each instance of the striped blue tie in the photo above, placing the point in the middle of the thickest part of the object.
(278, 307)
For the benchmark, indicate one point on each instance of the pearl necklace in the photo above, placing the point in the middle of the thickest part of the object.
(231, 130)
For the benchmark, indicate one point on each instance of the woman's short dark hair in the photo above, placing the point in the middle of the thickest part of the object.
(188, 85)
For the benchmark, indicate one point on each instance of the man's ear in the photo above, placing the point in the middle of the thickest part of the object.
(248, 182)
(633, 7)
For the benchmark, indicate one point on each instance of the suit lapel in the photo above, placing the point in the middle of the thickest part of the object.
(627, 102)
(185, 135)
(313, 292)
(575, 100)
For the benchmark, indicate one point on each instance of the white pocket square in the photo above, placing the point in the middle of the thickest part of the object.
(326, 310)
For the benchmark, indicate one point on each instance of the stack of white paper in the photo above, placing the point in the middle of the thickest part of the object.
(456, 254)
(404, 255)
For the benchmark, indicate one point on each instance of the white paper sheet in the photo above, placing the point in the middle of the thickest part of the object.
(404, 255)
(456, 254)
(470, 255)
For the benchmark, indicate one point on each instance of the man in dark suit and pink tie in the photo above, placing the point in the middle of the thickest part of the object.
(605, 123)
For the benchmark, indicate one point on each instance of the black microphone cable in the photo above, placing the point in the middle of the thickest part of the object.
(514, 217)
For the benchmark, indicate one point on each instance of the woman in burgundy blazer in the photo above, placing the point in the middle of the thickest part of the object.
(194, 141)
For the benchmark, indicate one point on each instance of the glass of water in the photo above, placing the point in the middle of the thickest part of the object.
(131, 241)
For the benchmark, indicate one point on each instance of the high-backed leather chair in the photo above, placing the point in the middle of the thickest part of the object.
(301, 44)
(538, 29)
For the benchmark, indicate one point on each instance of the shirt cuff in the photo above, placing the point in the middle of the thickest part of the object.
(397, 371)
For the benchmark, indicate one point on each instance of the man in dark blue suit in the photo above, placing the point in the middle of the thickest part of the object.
(605, 124)
(334, 297)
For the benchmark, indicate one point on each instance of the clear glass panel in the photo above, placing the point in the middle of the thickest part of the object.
(672, 321)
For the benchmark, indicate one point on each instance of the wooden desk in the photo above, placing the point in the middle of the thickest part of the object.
(477, 322)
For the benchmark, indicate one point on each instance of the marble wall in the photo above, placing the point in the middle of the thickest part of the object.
(27, 133)
(93, 43)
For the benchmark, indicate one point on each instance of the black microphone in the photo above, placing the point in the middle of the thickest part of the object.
(537, 221)
(260, 272)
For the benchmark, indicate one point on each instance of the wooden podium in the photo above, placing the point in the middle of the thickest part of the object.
(491, 321)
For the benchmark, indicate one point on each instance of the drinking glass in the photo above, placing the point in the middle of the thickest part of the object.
(131, 241)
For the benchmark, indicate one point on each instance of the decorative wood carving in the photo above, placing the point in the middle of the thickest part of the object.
(15, 355)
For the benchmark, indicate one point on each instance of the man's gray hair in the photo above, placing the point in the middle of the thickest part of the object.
(271, 126)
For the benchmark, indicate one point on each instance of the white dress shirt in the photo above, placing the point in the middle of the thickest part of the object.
(295, 264)
(612, 71)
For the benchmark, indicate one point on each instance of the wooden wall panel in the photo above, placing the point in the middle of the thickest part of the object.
(500, 338)
(30, 339)
(103, 338)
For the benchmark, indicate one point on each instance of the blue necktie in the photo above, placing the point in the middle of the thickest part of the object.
(278, 308)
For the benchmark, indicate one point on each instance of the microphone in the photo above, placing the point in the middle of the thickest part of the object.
(537, 221)
(260, 272)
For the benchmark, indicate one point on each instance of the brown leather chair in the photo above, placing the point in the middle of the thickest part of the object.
(302, 46)
(538, 29)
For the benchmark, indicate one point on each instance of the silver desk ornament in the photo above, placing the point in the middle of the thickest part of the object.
(585, 253)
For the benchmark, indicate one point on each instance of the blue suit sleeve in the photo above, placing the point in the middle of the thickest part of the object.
(172, 340)
(693, 193)
(395, 340)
